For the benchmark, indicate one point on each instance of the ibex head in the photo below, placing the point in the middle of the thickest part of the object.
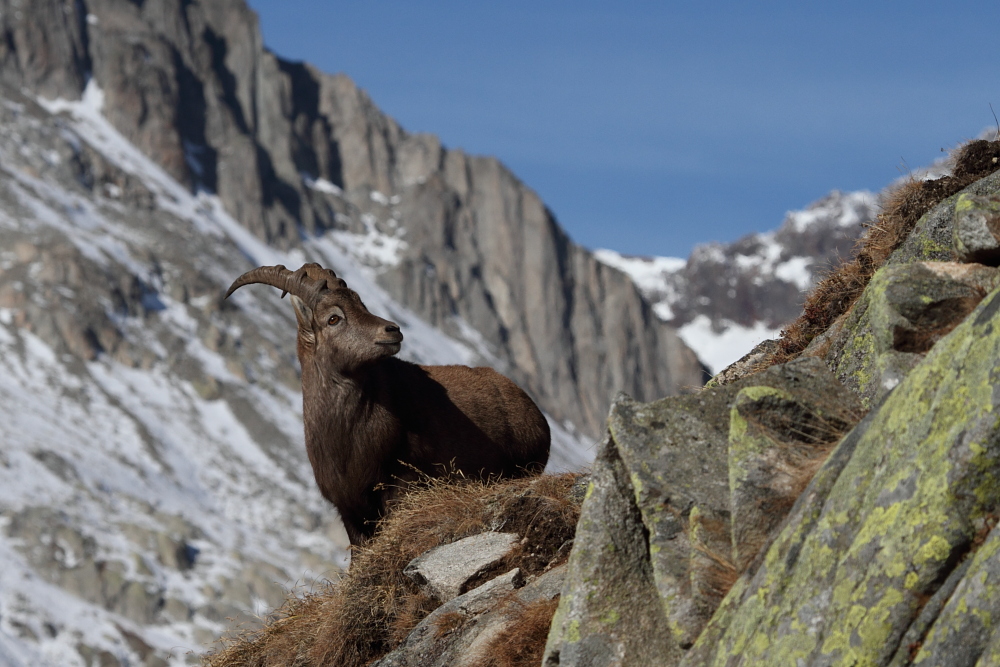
(335, 327)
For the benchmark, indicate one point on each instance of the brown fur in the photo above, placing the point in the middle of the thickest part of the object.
(374, 423)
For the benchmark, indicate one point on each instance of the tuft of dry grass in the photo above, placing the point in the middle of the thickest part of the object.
(373, 607)
(901, 209)
(718, 576)
(522, 642)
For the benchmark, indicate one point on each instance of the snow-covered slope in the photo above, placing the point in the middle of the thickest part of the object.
(725, 299)
(153, 480)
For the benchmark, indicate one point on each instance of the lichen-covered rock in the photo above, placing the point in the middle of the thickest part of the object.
(609, 612)
(977, 229)
(776, 440)
(667, 462)
(882, 525)
(674, 451)
(933, 237)
(904, 310)
(677, 452)
(969, 620)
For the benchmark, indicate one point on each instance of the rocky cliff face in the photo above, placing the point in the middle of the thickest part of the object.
(292, 152)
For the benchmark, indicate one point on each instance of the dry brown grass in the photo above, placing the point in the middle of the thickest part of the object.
(901, 209)
(522, 642)
(371, 608)
(720, 575)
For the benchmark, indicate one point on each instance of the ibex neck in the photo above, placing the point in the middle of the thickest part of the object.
(329, 399)
(346, 422)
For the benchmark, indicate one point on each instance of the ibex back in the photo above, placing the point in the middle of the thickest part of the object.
(374, 422)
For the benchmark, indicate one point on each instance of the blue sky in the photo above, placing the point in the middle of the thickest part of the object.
(648, 127)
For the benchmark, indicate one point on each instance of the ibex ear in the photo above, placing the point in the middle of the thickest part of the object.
(304, 316)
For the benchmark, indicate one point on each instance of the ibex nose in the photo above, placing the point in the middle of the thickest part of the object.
(391, 330)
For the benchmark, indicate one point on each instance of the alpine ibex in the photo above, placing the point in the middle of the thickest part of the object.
(374, 422)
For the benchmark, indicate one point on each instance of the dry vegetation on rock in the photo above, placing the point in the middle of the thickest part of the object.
(901, 209)
(370, 609)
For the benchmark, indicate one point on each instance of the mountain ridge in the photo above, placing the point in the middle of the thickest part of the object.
(725, 298)
(292, 152)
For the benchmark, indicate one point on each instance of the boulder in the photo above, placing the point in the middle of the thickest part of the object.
(777, 438)
(977, 229)
(933, 237)
(661, 568)
(905, 309)
(967, 624)
(610, 612)
(445, 571)
(452, 633)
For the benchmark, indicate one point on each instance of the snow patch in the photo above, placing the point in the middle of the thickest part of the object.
(796, 271)
(322, 185)
(719, 349)
(839, 208)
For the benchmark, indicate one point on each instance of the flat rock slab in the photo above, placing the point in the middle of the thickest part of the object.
(444, 571)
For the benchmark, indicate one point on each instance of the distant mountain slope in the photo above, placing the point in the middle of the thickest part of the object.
(292, 152)
(153, 481)
(727, 297)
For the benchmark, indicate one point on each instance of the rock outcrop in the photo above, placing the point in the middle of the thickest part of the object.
(778, 529)
(293, 152)
(708, 477)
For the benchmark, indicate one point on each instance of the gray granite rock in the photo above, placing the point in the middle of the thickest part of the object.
(903, 499)
(905, 309)
(192, 86)
(669, 465)
(933, 237)
(433, 644)
(977, 229)
(610, 612)
(444, 571)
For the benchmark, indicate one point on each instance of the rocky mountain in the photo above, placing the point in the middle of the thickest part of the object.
(836, 508)
(725, 298)
(292, 153)
(153, 482)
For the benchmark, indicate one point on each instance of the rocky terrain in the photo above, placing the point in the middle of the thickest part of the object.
(153, 484)
(838, 508)
(154, 492)
(292, 153)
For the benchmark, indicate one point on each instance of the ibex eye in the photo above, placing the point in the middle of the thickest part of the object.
(333, 320)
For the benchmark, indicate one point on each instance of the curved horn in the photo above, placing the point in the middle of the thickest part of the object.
(307, 283)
